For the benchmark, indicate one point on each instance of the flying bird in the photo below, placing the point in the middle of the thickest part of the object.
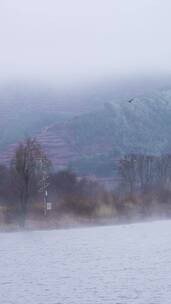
(130, 100)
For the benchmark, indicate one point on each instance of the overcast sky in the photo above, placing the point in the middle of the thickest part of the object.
(70, 40)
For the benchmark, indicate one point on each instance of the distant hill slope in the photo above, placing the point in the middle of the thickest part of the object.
(141, 126)
(24, 111)
(90, 140)
(26, 108)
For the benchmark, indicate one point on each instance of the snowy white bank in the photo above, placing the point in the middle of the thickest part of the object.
(114, 264)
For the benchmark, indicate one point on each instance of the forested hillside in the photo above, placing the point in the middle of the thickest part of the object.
(143, 125)
(90, 138)
(24, 111)
(91, 142)
(26, 108)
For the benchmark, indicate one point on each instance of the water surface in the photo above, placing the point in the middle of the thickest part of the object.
(116, 265)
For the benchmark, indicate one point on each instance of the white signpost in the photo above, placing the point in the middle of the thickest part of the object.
(49, 206)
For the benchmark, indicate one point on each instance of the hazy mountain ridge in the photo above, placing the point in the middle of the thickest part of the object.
(90, 139)
(96, 139)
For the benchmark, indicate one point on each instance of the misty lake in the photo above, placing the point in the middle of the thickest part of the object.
(114, 264)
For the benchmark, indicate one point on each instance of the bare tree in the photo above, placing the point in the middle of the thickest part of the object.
(26, 168)
(127, 172)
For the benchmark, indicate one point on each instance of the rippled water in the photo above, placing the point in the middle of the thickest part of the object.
(116, 264)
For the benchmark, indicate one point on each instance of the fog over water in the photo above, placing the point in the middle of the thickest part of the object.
(71, 40)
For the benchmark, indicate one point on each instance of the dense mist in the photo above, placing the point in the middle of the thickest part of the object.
(75, 41)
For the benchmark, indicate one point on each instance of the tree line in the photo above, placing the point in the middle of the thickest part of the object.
(142, 172)
(30, 182)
